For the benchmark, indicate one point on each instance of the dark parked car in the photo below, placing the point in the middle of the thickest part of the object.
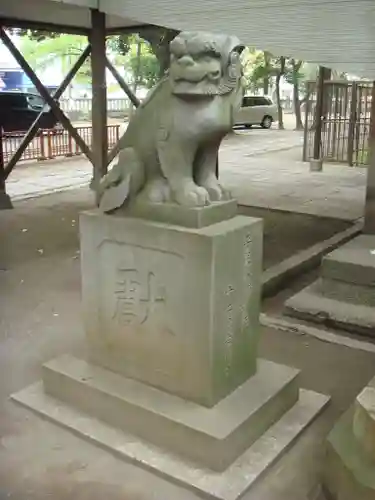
(18, 110)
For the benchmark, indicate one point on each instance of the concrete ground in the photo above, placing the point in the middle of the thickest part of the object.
(262, 168)
(40, 317)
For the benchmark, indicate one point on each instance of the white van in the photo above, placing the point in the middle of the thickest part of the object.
(256, 110)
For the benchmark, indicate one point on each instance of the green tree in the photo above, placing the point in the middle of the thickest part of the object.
(279, 70)
(294, 75)
(157, 38)
(259, 72)
(144, 66)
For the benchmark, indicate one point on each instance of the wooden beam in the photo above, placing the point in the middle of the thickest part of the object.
(369, 227)
(125, 87)
(136, 102)
(135, 28)
(35, 126)
(59, 114)
(99, 94)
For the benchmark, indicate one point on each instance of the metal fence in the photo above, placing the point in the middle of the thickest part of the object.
(51, 144)
(345, 122)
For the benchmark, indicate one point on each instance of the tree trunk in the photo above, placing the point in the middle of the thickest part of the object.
(137, 69)
(279, 75)
(267, 67)
(296, 101)
(278, 100)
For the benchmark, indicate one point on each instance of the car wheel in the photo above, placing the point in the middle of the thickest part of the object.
(266, 122)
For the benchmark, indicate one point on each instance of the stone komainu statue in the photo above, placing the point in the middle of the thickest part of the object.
(169, 150)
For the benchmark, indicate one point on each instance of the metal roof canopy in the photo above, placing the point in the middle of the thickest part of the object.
(338, 34)
(67, 16)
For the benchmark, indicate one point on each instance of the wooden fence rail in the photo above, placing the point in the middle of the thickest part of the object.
(51, 144)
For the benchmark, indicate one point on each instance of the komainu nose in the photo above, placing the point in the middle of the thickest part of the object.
(186, 61)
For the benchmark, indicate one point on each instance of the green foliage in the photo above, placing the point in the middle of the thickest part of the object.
(262, 67)
(121, 44)
(145, 68)
(42, 52)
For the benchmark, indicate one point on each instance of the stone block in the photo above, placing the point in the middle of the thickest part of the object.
(212, 437)
(347, 473)
(174, 307)
(352, 263)
(349, 468)
(364, 420)
(316, 165)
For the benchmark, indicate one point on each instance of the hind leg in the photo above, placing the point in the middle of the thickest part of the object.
(156, 190)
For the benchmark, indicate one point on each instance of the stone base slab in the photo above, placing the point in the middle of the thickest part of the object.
(310, 304)
(227, 485)
(213, 437)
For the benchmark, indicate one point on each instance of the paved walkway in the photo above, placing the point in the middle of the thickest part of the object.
(261, 167)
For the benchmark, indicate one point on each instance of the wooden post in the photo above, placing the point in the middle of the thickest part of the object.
(370, 190)
(99, 95)
(4, 198)
(319, 110)
(352, 122)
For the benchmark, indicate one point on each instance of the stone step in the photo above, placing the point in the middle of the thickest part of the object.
(212, 437)
(348, 292)
(311, 305)
(352, 263)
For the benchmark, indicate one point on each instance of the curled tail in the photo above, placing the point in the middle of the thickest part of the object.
(122, 182)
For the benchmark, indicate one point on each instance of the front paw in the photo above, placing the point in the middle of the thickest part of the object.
(215, 191)
(191, 195)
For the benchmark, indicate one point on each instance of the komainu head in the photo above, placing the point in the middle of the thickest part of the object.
(205, 64)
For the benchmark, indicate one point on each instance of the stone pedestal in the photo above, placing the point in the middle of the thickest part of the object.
(172, 381)
(344, 295)
(173, 307)
(349, 469)
(316, 165)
